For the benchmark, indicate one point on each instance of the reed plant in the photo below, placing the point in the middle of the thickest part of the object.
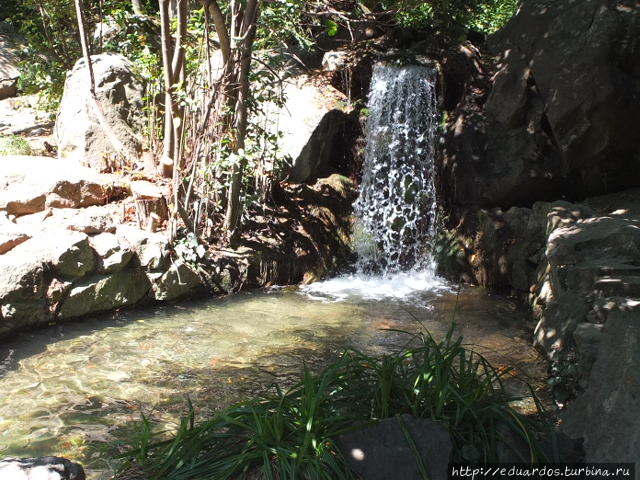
(291, 434)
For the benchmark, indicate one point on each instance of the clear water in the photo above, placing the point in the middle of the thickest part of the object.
(397, 207)
(69, 389)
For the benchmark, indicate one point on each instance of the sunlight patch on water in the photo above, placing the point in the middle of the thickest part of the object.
(400, 286)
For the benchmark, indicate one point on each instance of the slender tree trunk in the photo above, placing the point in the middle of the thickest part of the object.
(85, 44)
(247, 33)
(169, 139)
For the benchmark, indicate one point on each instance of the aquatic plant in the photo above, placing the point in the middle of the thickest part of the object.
(291, 434)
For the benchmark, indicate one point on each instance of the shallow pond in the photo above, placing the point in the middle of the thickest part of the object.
(68, 389)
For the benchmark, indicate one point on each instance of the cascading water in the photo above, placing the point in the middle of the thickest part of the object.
(396, 209)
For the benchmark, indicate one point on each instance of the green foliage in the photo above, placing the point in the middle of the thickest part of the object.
(493, 15)
(52, 46)
(14, 145)
(284, 22)
(291, 434)
(454, 16)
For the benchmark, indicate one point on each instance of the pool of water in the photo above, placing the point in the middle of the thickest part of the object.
(70, 389)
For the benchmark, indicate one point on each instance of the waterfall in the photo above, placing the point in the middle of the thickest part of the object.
(396, 209)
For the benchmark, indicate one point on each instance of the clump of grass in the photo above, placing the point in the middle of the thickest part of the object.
(14, 145)
(291, 434)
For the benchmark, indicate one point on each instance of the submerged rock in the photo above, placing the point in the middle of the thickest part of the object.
(44, 468)
(382, 452)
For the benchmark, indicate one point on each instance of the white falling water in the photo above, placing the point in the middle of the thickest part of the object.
(396, 210)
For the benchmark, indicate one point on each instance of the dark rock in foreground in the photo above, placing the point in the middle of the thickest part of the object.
(43, 468)
(383, 451)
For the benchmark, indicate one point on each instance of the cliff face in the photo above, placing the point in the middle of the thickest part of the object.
(560, 116)
(539, 164)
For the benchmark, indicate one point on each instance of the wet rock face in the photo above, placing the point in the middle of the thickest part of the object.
(80, 134)
(44, 468)
(562, 115)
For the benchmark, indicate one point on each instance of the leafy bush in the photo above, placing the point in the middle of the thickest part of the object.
(291, 434)
(14, 145)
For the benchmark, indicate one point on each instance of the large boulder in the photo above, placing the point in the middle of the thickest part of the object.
(562, 116)
(313, 122)
(102, 293)
(90, 220)
(23, 284)
(9, 72)
(589, 270)
(81, 134)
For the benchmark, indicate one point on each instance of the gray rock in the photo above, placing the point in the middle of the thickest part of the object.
(112, 256)
(178, 281)
(310, 122)
(335, 60)
(64, 252)
(549, 129)
(152, 249)
(22, 292)
(78, 132)
(584, 263)
(102, 293)
(606, 414)
(381, 452)
(90, 220)
(44, 468)
(70, 254)
(23, 116)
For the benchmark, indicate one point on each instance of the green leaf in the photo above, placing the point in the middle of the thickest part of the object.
(332, 28)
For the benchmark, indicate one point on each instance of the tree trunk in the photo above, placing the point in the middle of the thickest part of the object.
(85, 44)
(247, 33)
(169, 140)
